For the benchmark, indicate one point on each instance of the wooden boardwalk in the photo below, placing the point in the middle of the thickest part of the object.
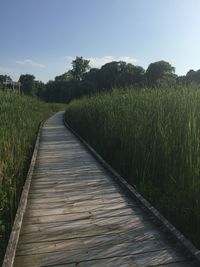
(77, 215)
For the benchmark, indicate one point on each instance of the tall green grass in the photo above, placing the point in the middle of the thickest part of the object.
(19, 120)
(152, 138)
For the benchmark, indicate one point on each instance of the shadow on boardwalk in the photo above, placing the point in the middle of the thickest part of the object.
(77, 215)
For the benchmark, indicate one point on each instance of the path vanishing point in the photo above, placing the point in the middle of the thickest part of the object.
(78, 215)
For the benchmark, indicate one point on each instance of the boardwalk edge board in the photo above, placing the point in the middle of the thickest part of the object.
(176, 234)
(14, 235)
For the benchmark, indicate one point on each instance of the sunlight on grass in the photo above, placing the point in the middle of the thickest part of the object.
(19, 120)
(152, 138)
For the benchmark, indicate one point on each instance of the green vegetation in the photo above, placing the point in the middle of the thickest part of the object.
(149, 135)
(82, 79)
(19, 120)
(152, 138)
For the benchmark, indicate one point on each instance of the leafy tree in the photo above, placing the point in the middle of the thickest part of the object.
(167, 81)
(79, 67)
(27, 84)
(4, 78)
(92, 74)
(181, 80)
(131, 74)
(159, 70)
(39, 88)
(193, 76)
(109, 74)
(120, 73)
(67, 76)
(61, 91)
(92, 77)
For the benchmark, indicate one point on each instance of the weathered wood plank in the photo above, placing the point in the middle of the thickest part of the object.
(70, 187)
(77, 198)
(138, 233)
(60, 216)
(108, 209)
(106, 204)
(94, 242)
(109, 221)
(138, 254)
(53, 181)
(126, 261)
(89, 193)
(78, 216)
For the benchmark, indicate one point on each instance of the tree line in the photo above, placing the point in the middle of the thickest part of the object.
(82, 80)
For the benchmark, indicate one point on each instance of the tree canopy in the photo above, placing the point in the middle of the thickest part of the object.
(4, 78)
(193, 76)
(120, 73)
(79, 67)
(159, 70)
(82, 80)
(67, 76)
(27, 84)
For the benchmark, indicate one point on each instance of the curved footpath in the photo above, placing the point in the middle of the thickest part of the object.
(77, 215)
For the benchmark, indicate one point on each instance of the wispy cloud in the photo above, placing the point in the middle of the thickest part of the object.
(29, 62)
(97, 62)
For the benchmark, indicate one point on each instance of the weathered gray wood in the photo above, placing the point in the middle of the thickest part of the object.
(138, 254)
(97, 203)
(78, 216)
(115, 222)
(187, 244)
(49, 217)
(87, 243)
(77, 198)
(100, 208)
(138, 232)
(126, 261)
(89, 193)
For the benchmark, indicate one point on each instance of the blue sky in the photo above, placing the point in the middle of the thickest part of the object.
(41, 37)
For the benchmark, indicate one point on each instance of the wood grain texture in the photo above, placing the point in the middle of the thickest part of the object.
(77, 215)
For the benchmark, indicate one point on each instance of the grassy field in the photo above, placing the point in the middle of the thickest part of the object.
(19, 121)
(152, 138)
